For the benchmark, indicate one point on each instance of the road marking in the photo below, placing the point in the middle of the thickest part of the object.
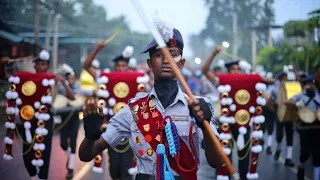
(293, 169)
(83, 171)
(86, 168)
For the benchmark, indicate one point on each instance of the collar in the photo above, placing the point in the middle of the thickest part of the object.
(181, 96)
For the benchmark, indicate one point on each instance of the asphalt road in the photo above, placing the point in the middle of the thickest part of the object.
(268, 169)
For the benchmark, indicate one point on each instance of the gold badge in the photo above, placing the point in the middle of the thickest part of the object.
(138, 139)
(242, 97)
(149, 152)
(158, 138)
(143, 108)
(155, 114)
(242, 117)
(135, 109)
(118, 106)
(28, 88)
(27, 112)
(121, 90)
(145, 115)
(135, 128)
(135, 117)
(146, 127)
(152, 105)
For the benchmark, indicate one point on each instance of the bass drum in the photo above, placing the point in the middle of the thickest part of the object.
(286, 91)
(217, 109)
(60, 101)
(318, 115)
(79, 101)
(306, 115)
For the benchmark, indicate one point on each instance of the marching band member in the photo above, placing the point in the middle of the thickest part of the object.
(120, 162)
(143, 122)
(235, 68)
(37, 162)
(69, 131)
(280, 126)
(270, 114)
(309, 132)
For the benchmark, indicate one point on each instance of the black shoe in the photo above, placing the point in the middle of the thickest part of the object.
(70, 174)
(277, 155)
(269, 151)
(300, 174)
(289, 163)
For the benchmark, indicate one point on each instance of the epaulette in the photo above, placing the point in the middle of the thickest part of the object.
(138, 96)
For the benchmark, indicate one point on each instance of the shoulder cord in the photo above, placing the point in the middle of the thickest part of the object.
(24, 142)
(65, 121)
(248, 143)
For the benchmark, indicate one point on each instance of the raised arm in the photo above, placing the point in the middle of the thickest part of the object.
(66, 87)
(87, 63)
(268, 80)
(206, 67)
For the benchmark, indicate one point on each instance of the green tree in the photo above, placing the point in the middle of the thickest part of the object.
(81, 19)
(250, 13)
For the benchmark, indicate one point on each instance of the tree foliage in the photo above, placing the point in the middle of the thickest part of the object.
(250, 13)
(274, 58)
(80, 19)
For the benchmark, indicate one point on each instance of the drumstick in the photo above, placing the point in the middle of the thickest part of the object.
(181, 79)
(230, 55)
(20, 59)
(111, 38)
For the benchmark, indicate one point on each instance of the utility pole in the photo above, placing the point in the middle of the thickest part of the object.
(55, 43)
(254, 48)
(36, 23)
(234, 29)
(269, 36)
(48, 30)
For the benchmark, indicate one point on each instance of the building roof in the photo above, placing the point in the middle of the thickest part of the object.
(13, 37)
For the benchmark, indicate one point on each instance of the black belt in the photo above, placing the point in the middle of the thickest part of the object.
(151, 177)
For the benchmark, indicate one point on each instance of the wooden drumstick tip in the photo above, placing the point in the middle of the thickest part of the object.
(103, 127)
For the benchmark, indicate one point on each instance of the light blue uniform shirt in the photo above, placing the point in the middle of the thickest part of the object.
(314, 104)
(122, 125)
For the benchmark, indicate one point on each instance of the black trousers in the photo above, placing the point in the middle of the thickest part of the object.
(309, 145)
(270, 117)
(288, 127)
(120, 163)
(244, 154)
(28, 157)
(69, 133)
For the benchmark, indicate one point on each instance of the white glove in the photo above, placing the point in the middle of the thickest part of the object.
(300, 104)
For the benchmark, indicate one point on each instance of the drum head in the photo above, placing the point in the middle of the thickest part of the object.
(306, 115)
(318, 115)
(282, 96)
(217, 109)
(79, 101)
(60, 101)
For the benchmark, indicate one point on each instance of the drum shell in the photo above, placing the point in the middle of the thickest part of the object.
(286, 91)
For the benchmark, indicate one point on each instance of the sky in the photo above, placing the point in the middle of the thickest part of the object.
(189, 16)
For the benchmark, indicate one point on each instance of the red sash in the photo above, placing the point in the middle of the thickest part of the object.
(152, 128)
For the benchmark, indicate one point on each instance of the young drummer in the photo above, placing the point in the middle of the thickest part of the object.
(309, 133)
(142, 122)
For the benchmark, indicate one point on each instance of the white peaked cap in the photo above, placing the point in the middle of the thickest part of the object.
(67, 69)
(132, 63)
(44, 55)
(128, 51)
(95, 63)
